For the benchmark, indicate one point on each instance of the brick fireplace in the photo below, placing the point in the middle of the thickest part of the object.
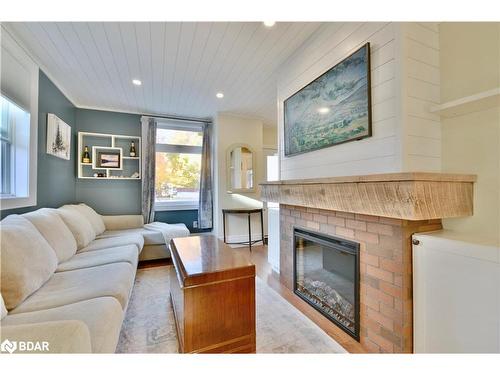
(385, 268)
(380, 213)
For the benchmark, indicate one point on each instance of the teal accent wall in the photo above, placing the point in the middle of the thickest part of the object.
(119, 197)
(55, 176)
(105, 196)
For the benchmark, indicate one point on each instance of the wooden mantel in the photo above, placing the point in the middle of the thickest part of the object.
(409, 196)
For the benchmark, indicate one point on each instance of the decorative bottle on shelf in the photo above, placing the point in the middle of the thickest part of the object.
(132, 150)
(86, 156)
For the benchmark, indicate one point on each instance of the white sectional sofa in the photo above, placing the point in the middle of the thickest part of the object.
(67, 275)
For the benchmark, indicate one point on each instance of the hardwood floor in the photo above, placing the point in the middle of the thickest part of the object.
(154, 263)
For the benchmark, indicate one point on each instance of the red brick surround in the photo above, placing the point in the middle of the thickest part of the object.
(385, 269)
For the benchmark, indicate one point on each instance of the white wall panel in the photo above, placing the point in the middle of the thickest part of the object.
(421, 82)
(328, 46)
(405, 83)
(456, 291)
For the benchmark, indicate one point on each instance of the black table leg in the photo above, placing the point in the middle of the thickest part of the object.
(224, 225)
(262, 226)
(249, 232)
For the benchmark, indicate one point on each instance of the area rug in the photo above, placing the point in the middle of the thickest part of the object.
(149, 322)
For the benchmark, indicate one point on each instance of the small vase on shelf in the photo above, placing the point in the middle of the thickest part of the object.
(86, 156)
(132, 150)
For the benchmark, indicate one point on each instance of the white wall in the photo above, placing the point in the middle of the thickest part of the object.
(270, 137)
(270, 144)
(471, 141)
(399, 115)
(229, 130)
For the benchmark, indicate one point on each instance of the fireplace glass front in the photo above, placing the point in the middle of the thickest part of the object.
(326, 275)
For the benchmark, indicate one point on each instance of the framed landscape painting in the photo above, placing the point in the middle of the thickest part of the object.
(107, 159)
(333, 109)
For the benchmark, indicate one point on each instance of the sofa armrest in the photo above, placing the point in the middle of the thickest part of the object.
(62, 336)
(120, 222)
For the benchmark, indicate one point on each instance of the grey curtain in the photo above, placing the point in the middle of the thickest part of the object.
(205, 210)
(149, 126)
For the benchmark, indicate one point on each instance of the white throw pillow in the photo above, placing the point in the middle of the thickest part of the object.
(93, 217)
(3, 309)
(77, 224)
(57, 234)
(28, 261)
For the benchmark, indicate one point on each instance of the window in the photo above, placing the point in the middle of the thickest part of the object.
(178, 163)
(18, 125)
(14, 150)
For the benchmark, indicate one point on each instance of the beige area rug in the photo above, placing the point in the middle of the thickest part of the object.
(149, 322)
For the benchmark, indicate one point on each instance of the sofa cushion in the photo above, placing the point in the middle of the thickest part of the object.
(160, 234)
(93, 217)
(127, 253)
(150, 237)
(114, 280)
(104, 243)
(78, 225)
(103, 317)
(63, 336)
(3, 310)
(118, 222)
(28, 261)
(53, 229)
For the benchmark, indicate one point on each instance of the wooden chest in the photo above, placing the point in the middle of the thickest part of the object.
(212, 288)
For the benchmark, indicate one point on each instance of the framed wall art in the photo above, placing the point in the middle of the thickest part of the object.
(334, 108)
(58, 137)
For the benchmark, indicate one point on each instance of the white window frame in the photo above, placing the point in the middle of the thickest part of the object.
(178, 205)
(16, 53)
(10, 141)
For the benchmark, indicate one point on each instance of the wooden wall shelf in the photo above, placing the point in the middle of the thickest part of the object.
(472, 103)
(130, 164)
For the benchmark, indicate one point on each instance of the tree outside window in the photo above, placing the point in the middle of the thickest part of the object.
(178, 163)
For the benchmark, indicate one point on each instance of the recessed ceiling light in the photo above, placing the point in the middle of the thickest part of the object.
(137, 82)
(323, 110)
(219, 95)
(269, 23)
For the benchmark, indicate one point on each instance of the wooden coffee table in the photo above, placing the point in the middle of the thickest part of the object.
(212, 289)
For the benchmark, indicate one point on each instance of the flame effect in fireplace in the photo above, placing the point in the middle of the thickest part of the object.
(328, 300)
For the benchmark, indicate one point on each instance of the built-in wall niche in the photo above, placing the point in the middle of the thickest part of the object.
(110, 156)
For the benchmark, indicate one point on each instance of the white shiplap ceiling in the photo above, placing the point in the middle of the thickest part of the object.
(181, 65)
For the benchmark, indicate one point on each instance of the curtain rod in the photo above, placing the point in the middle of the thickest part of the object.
(187, 119)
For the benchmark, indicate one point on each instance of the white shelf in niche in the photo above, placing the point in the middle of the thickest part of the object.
(468, 104)
(109, 141)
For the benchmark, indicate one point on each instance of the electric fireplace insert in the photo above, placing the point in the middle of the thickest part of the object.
(326, 275)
